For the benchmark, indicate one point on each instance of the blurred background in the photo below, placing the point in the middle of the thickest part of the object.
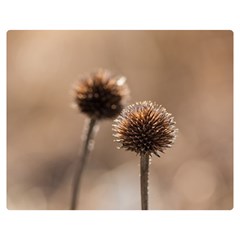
(188, 72)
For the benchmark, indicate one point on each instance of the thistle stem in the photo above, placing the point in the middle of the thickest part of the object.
(144, 175)
(87, 144)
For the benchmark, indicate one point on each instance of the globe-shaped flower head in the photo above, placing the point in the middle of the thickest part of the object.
(101, 95)
(145, 128)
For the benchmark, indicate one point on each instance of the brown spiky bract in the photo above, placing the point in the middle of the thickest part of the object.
(101, 95)
(145, 128)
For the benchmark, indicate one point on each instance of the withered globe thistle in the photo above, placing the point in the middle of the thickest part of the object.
(101, 95)
(145, 128)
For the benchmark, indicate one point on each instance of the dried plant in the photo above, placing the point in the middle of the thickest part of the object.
(145, 128)
(100, 95)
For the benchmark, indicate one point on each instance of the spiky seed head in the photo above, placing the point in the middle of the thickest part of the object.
(101, 95)
(145, 128)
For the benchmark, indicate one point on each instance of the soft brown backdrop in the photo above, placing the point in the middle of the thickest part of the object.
(189, 72)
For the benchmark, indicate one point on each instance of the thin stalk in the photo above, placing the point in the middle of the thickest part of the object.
(144, 175)
(87, 142)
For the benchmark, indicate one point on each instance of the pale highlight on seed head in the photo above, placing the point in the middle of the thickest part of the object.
(101, 94)
(145, 128)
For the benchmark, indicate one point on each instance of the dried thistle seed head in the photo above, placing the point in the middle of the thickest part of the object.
(145, 128)
(101, 95)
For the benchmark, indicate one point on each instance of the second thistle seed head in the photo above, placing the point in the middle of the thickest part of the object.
(145, 128)
(101, 95)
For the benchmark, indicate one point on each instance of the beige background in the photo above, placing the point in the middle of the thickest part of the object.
(188, 72)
